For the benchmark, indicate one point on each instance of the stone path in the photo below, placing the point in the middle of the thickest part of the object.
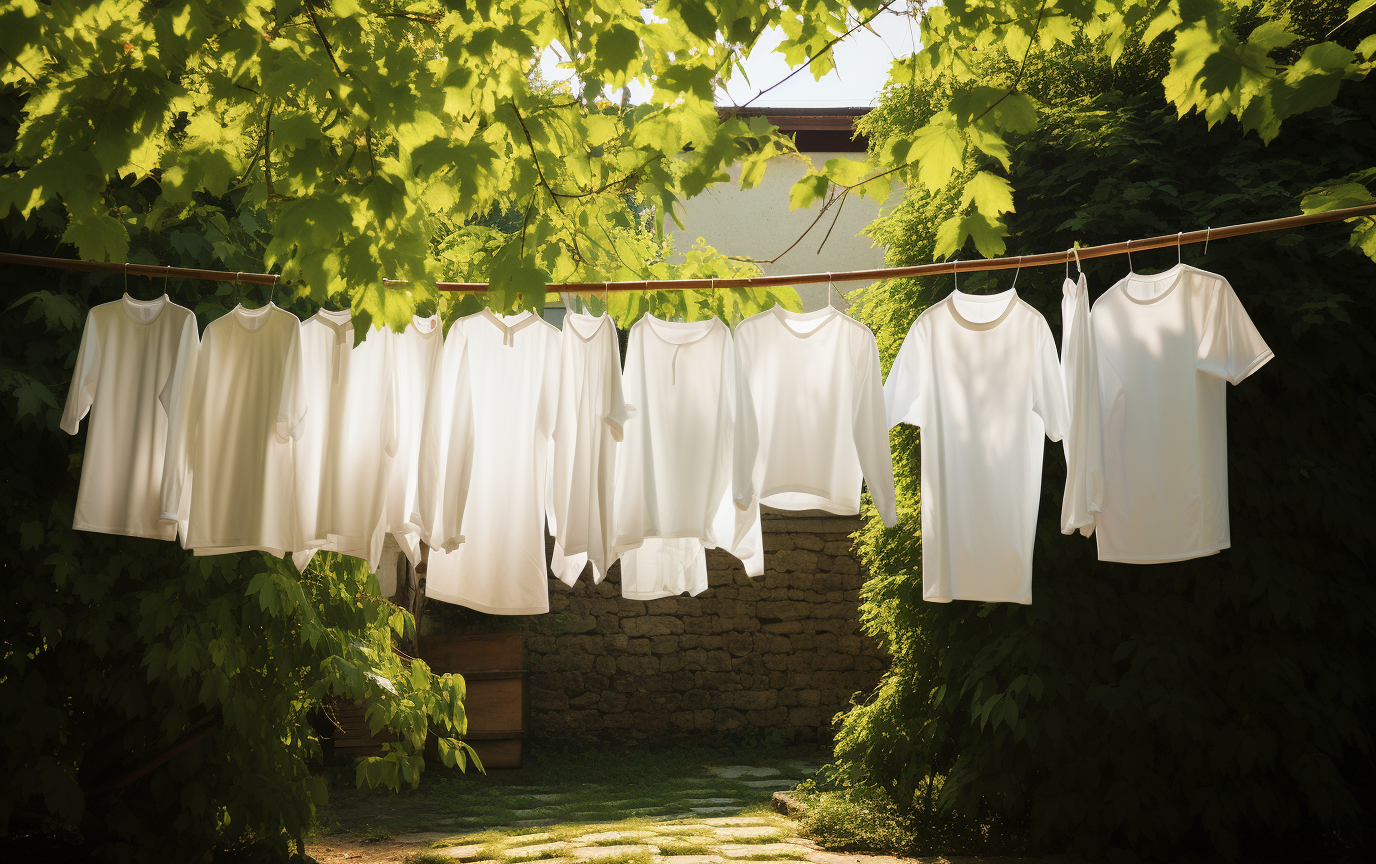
(722, 815)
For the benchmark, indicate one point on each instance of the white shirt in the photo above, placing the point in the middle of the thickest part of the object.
(500, 567)
(590, 419)
(135, 361)
(818, 396)
(979, 375)
(345, 452)
(689, 445)
(1167, 344)
(416, 355)
(248, 405)
(1084, 460)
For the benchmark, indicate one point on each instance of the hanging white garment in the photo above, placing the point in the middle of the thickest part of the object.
(979, 375)
(248, 405)
(446, 449)
(133, 371)
(590, 419)
(416, 355)
(500, 567)
(683, 470)
(344, 455)
(326, 338)
(818, 394)
(664, 568)
(1084, 460)
(1167, 345)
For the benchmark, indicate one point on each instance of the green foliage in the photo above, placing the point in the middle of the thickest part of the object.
(1257, 63)
(1218, 706)
(114, 649)
(359, 131)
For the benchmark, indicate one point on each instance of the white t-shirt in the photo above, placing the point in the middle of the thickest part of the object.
(1167, 344)
(689, 444)
(416, 355)
(344, 455)
(137, 358)
(818, 395)
(590, 419)
(500, 567)
(979, 375)
(248, 405)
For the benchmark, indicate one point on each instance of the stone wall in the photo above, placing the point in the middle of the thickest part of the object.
(781, 652)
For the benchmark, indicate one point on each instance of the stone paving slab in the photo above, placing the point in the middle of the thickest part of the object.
(711, 801)
(736, 820)
(769, 784)
(529, 838)
(537, 849)
(746, 832)
(729, 808)
(460, 853)
(586, 853)
(733, 772)
(688, 859)
(612, 835)
(750, 850)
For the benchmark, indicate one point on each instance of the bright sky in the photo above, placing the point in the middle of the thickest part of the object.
(862, 67)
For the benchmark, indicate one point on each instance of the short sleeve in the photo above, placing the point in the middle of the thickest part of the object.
(617, 410)
(1229, 345)
(291, 408)
(84, 377)
(1048, 392)
(904, 391)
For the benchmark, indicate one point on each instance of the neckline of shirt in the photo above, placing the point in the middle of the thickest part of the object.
(518, 321)
(240, 312)
(654, 324)
(159, 302)
(826, 316)
(342, 320)
(1008, 297)
(571, 318)
(1173, 273)
(426, 326)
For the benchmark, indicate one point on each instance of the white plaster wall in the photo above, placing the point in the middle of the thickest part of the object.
(757, 223)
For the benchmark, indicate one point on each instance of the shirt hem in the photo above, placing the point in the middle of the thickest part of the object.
(1164, 559)
(1027, 602)
(837, 508)
(458, 600)
(125, 532)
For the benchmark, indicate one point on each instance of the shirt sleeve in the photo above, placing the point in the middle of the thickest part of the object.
(617, 409)
(291, 407)
(458, 460)
(1048, 393)
(904, 393)
(1229, 345)
(1083, 442)
(85, 374)
(746, 432)
(871, 433)
(176, 399)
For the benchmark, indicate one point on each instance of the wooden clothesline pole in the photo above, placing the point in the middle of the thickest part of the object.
(1043, 259)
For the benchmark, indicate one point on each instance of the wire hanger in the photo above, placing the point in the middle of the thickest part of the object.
(1178, 235)
(955, 277)
(1131, 270)
(1207, 232)
(1014, 286)
(831, 286)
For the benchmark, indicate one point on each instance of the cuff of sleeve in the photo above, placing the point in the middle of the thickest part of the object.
(743, 502)
(754, 566)
(167, 517)
(615, 425)
(452, 544)
(286, 432)
(1262, 359)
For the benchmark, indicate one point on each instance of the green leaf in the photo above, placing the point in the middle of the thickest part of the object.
(939, 148)
(30, 535)
(988, 235)
(618, 50)
(990, 193)
(809, 188)
(1338, 197)
(97, 236)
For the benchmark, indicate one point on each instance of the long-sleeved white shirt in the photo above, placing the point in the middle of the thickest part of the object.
(500, 566)
(590, 419)
(979, 375)
(132, 373)
(416, 358)
(1084, 461)
(684, 470)
(1167, 346)
(248, 405)
(348, 439)
(818, 395)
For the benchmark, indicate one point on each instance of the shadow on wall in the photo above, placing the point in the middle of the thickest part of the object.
(778, 655)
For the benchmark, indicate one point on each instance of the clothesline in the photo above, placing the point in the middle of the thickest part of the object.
(972, 266)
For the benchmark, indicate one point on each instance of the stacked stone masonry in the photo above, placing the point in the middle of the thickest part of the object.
(781, 652)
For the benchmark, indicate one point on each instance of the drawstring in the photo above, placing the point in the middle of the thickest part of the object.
(673, 366)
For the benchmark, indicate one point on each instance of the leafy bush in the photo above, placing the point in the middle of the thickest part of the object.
(116, 653)
(1221, 705)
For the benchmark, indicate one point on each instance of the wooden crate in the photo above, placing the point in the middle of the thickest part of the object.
(493, 667)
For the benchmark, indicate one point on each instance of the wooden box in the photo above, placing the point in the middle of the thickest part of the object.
(493, 668)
